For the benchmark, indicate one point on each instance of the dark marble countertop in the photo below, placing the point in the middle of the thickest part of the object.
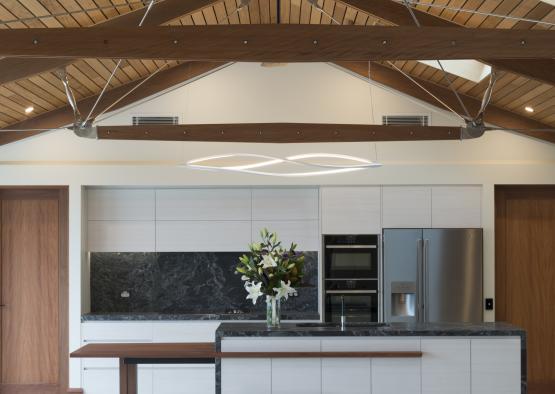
(393, 329)
(304, 316)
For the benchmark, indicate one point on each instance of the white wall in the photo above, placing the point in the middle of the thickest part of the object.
(294, 93)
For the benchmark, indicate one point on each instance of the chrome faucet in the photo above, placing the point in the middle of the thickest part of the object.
(343, 317)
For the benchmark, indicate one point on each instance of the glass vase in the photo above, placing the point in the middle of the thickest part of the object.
(273, 310)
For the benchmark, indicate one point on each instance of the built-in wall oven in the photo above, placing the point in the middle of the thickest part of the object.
(352, 278)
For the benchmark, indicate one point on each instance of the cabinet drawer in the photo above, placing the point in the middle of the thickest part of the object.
(116, 332)
(378, 344)
(184, 332)
(270, 345)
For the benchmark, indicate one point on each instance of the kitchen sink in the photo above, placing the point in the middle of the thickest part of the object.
(337, 325)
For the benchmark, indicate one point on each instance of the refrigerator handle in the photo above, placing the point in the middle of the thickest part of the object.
(425, 283)
(419, 268)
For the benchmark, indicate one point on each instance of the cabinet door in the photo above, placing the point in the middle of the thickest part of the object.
(396, 375)
(351, 210)
(202, 236)
(496, 366)
(121, 235)
(183, 379)
(445, 366)
(342, 374)
(203, 204)
(105, 380)
(120, 204)
(456, 206)
(296, 376)
(285, 204)
(407, 207)
(241, 376)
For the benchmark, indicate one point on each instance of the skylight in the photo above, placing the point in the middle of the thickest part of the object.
(472, 70)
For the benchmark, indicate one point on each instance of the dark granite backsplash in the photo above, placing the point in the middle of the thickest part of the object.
(184, 282)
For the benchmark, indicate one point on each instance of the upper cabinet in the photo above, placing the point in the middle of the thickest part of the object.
(120, 204)
(432, 206)
(456, 206)
(285, 204)
(407, 207)
(351, 210)
(203, 204)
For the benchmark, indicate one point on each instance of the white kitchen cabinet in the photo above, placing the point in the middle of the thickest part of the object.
(395, 375)
(203, 236)
(190, 331)
(203, 204)
(121, 236)
(105, 380)
(445, 366)
(342, 374)
(296, 375)
(351, 210)
(495, 366)
(456, 206)
(285, 204)
(407, 207)
(244, 376)
(183, 379)
(120, 204)
(305, 233)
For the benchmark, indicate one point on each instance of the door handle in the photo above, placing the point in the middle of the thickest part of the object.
(419, 269)
(425, 280)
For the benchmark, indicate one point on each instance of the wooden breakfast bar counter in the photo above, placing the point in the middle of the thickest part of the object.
(132, 354)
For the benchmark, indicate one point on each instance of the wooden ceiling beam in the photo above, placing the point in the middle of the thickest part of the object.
(278, 43)
(278, 133)
(64, 116)
(12, 69)
(394, 12)
(494, 115)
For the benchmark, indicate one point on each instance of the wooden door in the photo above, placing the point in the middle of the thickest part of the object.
(525, 274)
(32, 337)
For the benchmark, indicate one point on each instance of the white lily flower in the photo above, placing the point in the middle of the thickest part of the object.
(244, 277)
(268, 262)
(285, 290)
(254, 291)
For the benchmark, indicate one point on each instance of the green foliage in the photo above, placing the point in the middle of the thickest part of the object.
(270, 263)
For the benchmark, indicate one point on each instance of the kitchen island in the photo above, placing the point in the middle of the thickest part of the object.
(484, 358)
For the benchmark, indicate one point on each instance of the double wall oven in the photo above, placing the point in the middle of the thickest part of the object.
(352, 278)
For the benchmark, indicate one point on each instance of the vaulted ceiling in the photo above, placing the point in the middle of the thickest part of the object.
(33, 82)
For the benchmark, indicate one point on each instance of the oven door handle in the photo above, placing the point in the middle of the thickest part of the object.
(351, 292)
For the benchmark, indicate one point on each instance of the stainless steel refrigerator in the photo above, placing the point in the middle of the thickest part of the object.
(432, 275)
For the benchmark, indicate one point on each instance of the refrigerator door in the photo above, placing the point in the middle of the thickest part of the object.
(452, 275)
(402, 257)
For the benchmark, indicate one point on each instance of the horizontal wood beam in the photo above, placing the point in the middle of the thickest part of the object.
(394, 12)
(494, 115)
(12, 69)
(279, 43)
(278, 133)
(64, 116)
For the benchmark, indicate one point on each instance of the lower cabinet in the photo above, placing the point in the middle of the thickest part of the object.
(346, 374)
(445, 366)
(496, 367)
(105, 380)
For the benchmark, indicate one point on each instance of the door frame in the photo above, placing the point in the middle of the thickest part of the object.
(60, 193)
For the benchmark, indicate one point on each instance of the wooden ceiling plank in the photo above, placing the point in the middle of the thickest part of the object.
(350, 16)
(64, 116)
(506, 7)
(295, 12)
(12, 69)
(539, 12)
(273, 9)
(254, 12)
(397, 13)
(462, 17)
(37, 91)
(494, 115)
(277, 43)
(221, 13)
(306, 12)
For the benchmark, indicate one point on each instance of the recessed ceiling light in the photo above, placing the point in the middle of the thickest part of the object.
(28, 110)
(529, 109)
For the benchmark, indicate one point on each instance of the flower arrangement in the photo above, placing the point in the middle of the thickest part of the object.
(271, 270)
